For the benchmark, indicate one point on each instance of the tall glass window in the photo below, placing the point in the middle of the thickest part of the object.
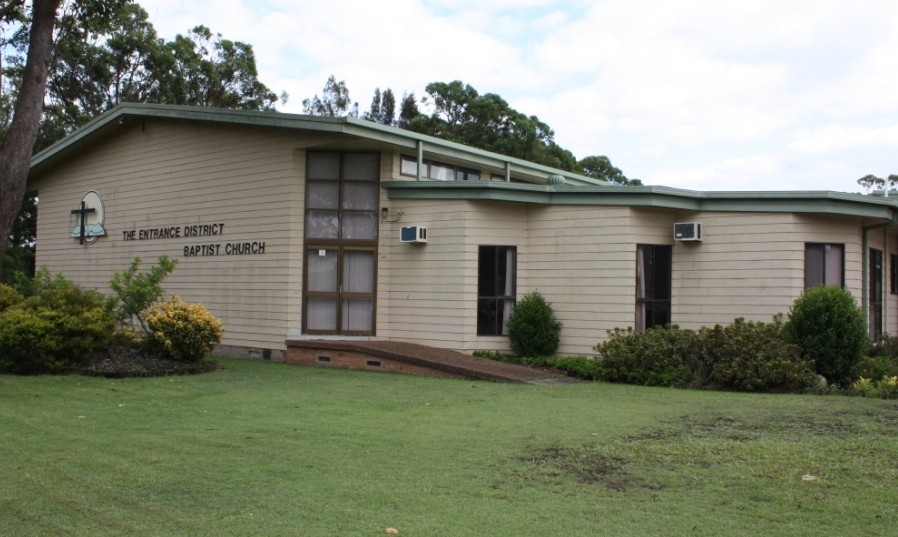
(875, 288)
(496, 289)
(653, 269)
(341, 242)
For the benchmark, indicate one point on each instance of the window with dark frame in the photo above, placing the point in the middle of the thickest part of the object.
(824, 264)
(893, 273)
(653, 283)
(496, 288)
(875, 290)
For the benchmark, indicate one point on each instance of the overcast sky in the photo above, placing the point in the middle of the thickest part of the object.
(697, 94)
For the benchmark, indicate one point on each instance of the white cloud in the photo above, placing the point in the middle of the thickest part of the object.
(842, 138)
(695, 93)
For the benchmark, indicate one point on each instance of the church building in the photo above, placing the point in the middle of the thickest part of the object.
(291, 228)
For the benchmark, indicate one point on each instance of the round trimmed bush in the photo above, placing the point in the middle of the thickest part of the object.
(182, 331)
(828, 326)
(533, 329)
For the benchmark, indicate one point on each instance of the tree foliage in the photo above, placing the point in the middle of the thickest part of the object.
(463, 115)
(408, 110)
(870, 182)
(334, 101)
(383, 108)
(600, 167)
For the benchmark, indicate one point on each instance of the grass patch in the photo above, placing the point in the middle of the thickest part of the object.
(267, 449)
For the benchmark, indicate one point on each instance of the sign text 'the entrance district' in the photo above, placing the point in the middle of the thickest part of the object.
(197, 230)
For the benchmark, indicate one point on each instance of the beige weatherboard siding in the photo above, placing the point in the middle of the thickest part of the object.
(223, 193)
(190, 181)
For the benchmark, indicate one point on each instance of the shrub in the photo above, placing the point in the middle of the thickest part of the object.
(137, 291)
(828, 326)
(744, 356)
(28, 343)
(656, 357)
(82, 319)
(875, 367)
(58, 327)
(181, 331)
(9, 297)
(751, 356)
(533, 329)
(886, 347)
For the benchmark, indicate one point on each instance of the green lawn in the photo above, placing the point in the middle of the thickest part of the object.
(268, 449)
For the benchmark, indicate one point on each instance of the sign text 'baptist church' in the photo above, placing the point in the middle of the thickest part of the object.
(197, 230)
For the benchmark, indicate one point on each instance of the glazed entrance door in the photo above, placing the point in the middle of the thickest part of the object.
(339, 291)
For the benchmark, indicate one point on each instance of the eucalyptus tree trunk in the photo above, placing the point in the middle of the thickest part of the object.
(15, 153)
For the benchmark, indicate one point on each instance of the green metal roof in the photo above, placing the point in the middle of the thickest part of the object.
(819, 202)
(576, 189)
(400, 138)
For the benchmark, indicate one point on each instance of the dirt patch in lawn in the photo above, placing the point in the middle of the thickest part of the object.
(582, 463)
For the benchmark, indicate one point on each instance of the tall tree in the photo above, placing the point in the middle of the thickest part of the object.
(334, 101)
(408, 110)
(383, 107)
(18, 142)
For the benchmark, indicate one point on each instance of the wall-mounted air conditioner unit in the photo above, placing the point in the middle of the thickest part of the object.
(688, 231)
(413, 234)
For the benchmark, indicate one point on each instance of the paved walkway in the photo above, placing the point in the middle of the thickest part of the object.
(445, 360)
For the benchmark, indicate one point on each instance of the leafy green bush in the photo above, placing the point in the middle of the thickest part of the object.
(744, 356)
(82, 319)
(656, 357)
(875, 367)
(9, 297)
(751, 356)
(58, 327)
(828, 326)
(137, 291)
(181, 331)
(886, 347)
(28, 343)
(533, 329)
